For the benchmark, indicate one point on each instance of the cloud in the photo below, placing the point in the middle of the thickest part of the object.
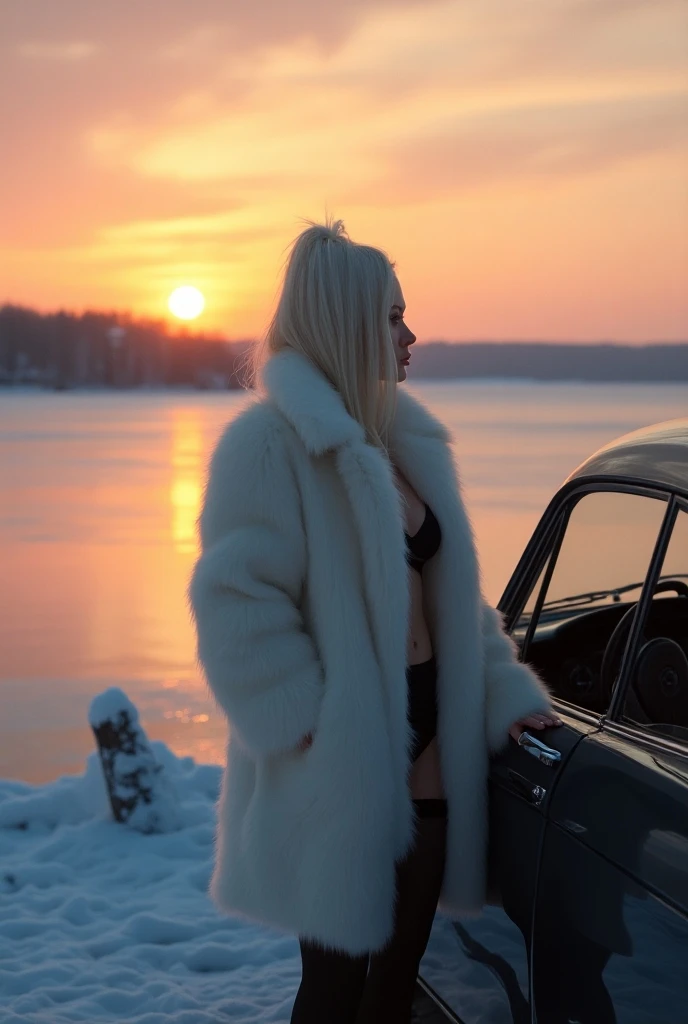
(536, 143)
(177, 29)
(88, 79)
(188, 137)
(67, 52)
(450, 106)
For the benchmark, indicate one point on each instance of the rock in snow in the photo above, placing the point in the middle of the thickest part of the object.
(141, 795)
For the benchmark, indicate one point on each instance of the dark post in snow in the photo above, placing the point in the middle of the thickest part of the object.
(141, 795)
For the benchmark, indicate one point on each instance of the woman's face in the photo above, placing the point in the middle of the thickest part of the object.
(402, 337)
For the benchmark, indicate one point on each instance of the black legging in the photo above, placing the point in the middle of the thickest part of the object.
(378, 988)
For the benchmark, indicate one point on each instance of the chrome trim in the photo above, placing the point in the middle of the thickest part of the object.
(653, 743)
(440, 1004)
(581, 715)
(538, 793)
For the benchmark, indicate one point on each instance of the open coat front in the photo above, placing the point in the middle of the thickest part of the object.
(301, 603)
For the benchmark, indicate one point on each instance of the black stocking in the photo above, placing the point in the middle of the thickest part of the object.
(331, 985)
(393, 971)
(335, 986)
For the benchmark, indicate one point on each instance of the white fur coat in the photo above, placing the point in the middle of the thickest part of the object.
(301, 602)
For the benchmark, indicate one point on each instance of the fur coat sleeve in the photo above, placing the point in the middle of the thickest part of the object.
(260, 663)
(512, 689)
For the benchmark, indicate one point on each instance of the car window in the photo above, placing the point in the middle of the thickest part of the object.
(656, 697)
(597, 574)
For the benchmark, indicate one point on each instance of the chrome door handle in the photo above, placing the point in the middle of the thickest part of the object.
(539, 749)
(536, 794)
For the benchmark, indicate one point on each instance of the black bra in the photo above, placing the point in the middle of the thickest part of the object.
(425, 542)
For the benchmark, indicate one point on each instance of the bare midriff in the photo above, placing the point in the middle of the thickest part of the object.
(426, 776)
(418, 644)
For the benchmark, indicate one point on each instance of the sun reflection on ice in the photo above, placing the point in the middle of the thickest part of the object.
(184, 715)
(187, 472)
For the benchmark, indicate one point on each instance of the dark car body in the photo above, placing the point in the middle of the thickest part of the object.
(589, 836)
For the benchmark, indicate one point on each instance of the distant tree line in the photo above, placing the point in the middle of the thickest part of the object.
(551, 361)
(114, 350)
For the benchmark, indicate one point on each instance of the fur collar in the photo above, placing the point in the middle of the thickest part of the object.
(316, 410)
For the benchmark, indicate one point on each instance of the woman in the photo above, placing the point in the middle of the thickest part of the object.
(341, 629)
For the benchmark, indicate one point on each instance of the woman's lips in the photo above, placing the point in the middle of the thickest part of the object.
(406, 360)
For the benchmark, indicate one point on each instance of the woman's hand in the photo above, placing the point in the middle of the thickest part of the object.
(305, 742)
(536, 721)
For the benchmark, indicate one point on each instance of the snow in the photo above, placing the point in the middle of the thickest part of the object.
(108, 705)
(102, 922)
(99, 922)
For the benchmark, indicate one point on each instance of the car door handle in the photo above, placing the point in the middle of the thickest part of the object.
(539, 749)
(530, 790)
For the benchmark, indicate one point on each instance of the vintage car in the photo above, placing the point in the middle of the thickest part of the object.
(589, 822)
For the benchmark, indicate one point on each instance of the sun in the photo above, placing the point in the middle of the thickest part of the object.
(186, 302)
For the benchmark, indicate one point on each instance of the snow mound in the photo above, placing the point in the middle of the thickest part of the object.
(141, 793)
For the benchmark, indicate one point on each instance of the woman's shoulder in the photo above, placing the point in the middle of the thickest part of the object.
(250, 468)
(258, 446)
(258, 423)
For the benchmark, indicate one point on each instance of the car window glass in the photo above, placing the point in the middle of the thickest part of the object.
(657, 694)
(598, 574)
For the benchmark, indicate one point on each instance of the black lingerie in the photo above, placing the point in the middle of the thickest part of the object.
(422, 714)
(422, 703)
(423, 544)
(422, 678)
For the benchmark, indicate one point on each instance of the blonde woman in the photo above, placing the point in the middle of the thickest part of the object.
(342, 631)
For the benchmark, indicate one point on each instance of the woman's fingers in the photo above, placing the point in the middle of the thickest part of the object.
(534, 721)
(540, 721)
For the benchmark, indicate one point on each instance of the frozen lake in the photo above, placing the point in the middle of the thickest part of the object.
(99, 497)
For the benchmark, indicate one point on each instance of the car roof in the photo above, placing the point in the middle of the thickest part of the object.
(657, 455)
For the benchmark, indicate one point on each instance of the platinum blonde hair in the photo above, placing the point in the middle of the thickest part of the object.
(334, 309)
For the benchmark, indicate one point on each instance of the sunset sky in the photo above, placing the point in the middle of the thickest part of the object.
(525, 162)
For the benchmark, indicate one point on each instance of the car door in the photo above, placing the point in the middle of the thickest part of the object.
(480, 966)
(611, 919)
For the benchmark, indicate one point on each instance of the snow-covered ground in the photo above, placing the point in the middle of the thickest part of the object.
(99, 922)
(102, 922)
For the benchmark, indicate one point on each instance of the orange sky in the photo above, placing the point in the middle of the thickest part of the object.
(525, 162)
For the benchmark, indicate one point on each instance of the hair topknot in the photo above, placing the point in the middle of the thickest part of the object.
(330, 230)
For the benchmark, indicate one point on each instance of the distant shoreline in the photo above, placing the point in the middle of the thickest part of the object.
(103, 351)
(540, 361)
(186, 389)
